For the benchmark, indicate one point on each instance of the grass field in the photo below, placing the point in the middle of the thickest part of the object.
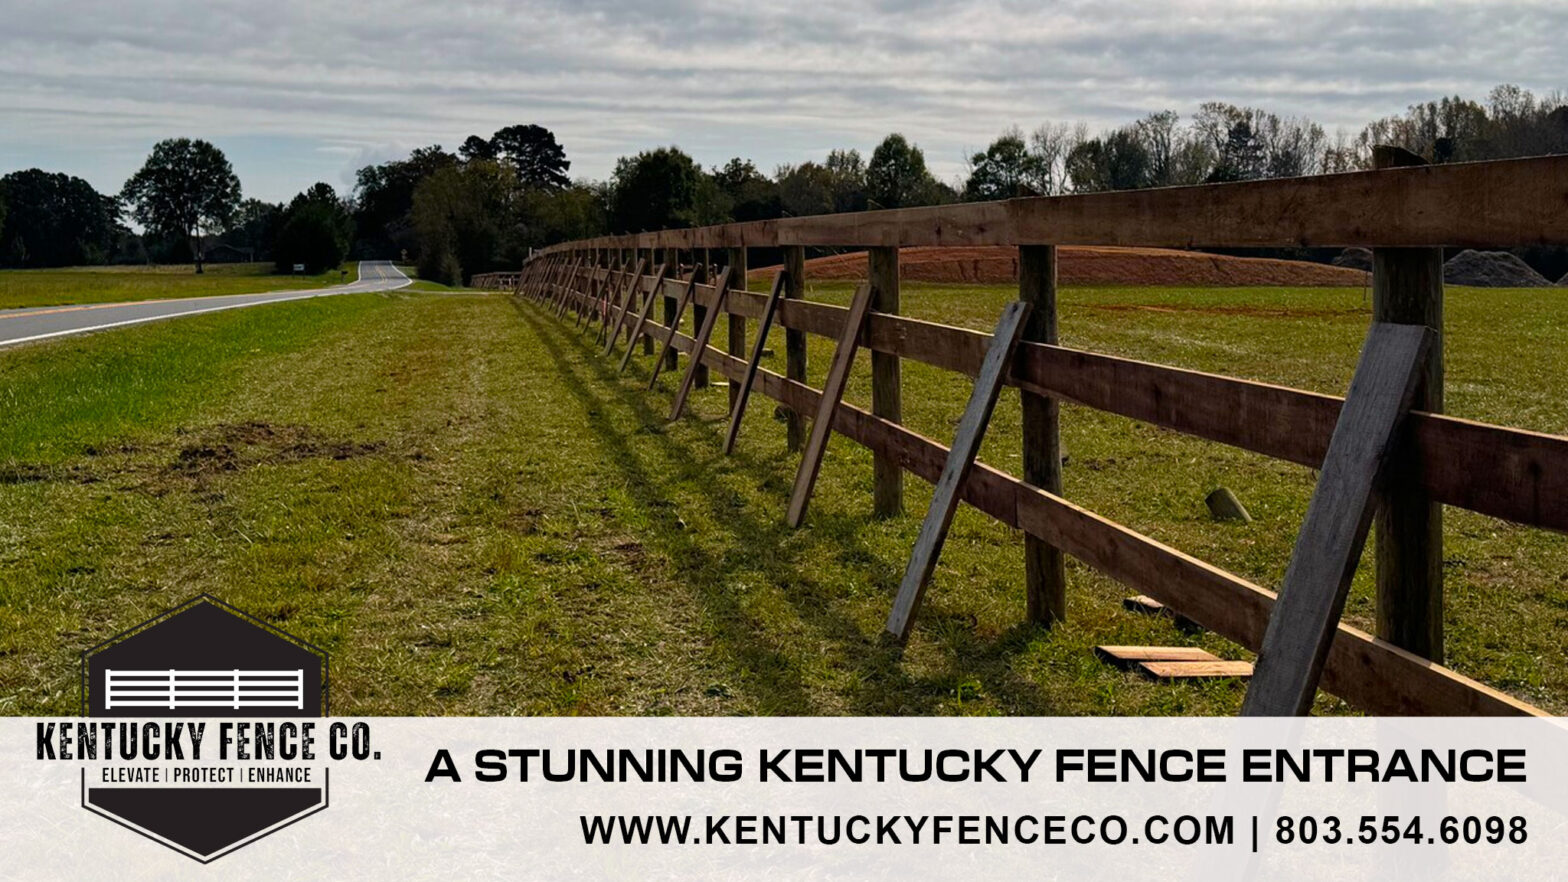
(105, 284)
(460, 500)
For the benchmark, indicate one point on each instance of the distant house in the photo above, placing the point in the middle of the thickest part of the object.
(226, 253)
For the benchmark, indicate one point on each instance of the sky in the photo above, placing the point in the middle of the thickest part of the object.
(298, 92)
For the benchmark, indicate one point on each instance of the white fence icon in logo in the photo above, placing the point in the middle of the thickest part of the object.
(176, 689)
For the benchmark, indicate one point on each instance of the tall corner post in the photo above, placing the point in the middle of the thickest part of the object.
(1407, 289)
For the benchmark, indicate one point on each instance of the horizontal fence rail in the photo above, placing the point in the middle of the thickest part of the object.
(1498, 471)
(179, 688)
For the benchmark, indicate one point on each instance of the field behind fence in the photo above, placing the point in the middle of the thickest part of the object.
(1385, 450)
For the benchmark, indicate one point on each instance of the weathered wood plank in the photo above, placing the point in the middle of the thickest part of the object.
(960, 459)
(743, 388)
(1328, 548)
(633, 286)
(737, 322)
(704, 333)
(832, 394)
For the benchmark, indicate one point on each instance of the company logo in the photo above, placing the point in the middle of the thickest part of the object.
(199, 732)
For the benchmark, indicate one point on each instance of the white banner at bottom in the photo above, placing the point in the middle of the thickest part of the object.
(906, 798)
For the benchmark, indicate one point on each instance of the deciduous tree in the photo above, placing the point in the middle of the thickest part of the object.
(186, 187)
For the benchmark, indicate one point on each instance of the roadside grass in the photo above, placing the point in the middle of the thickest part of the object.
(461, 500)
(106, 284)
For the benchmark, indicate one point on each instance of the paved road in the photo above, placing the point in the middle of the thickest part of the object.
(43, 322)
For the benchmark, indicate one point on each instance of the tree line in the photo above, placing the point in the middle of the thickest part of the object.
(486, 205)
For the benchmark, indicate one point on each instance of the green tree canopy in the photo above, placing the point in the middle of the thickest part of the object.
(186, 187)
(655, 190)
(316, 230)
(51, 219)
(896, 176)
(535, 156)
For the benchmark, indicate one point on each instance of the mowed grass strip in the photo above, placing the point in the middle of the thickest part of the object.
(112, 284)
(460, 499)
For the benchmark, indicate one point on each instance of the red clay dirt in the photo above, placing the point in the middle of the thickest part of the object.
(998, 264)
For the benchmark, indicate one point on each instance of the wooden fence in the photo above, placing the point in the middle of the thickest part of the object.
(1384, 450)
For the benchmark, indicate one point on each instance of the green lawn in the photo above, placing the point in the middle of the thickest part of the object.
(105, 284)
(460, 500)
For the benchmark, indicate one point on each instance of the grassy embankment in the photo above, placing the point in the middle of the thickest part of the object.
(107, 284)
(461, 501)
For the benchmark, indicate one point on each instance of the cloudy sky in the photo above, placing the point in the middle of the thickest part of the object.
(297, 92)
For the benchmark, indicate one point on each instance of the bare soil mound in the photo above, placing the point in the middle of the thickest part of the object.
(995, 264)
(1491, 269)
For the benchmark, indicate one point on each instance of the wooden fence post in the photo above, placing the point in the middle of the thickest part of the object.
(1045, 571)
(795, 340)
(886, 383)
(673, 255)
(699, 315)
(1407, 288)
(737, 264)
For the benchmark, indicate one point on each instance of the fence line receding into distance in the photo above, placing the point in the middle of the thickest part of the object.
(1384, 451)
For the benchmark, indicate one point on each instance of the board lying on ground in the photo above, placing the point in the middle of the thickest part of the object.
(1503, 472)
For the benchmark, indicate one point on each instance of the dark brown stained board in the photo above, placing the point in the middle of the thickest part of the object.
(1166, 671)
(704, 333)
(633, 285)
(1328, 548)
(960, 459)
(1045, 567)
(743, 389)
(1510, 202)
(795, 344)
(667, 352)
(1125, 657)
(655, 294)
(1371, 674)
(887, 479)
(832, 394)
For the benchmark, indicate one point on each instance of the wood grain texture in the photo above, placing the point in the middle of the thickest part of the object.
(832, 394)
(1497, 203)
(1125, 657)
(1165, 671)
(795, 344)
(737, 323)
(743, 388)
(1328, 548)
(960, 459)
(704, 333)
(624, 306)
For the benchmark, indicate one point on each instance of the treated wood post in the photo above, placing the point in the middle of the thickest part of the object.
(886, 384)
(1407, 288)
(737, 264)
(1045, 572)
(673, 255)
(699, 314)
(795, 340)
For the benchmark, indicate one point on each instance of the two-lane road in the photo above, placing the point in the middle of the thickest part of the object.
(43, 322)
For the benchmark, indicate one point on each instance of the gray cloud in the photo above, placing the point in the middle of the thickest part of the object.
(309, 89)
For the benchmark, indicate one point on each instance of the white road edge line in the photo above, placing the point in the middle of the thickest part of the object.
(158, 318)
